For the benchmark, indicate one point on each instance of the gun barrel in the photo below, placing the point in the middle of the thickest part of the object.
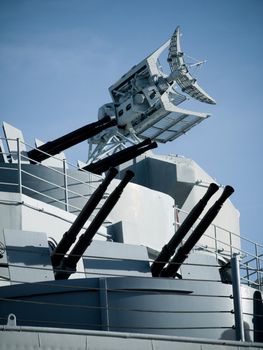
(71, 139)
(121, 157)
(69, 237)
(169, 249)
(183, 251)
(69, 264)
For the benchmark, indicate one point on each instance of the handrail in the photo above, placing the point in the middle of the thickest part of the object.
(66, 186)
(222, 228)
(253, 250)
(252, 253)
(73, 304)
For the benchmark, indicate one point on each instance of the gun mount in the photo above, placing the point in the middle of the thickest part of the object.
(169, 249)
(145, 103)
(70, 236)
(68, 265)
(144, 106)
(184, 250)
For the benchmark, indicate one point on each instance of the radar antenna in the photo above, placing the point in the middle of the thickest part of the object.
(180, 72)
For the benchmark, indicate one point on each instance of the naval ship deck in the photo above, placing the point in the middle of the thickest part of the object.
(56, 184)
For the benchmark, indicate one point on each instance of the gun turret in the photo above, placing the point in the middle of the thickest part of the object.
(73, 138)
(183, 251)
(69, 264)
(121, 157)
(169, 249)
(69, 237)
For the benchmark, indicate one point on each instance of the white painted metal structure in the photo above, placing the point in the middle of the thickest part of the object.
(145, 103)
(181, 74)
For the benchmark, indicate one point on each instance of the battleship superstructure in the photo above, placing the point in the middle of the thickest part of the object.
(149, 255)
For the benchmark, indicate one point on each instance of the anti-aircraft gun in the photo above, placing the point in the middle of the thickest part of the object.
(166, 255)
(144, 111)
(169, 249)
(145, 103)
(63, 265)
(54, 147)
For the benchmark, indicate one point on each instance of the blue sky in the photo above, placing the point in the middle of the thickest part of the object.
(58, 58)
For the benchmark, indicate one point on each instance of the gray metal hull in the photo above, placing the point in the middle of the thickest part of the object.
(133, 304)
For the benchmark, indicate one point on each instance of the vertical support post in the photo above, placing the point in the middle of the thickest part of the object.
(105, 320)
(257, 264)
(239, 325)
(247, 275)
(65, 184)
(231, 243)
(19, 182)
(176, 217)
(216, 246)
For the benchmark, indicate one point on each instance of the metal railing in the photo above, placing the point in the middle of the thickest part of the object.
(233, 305)
(250, 252)
(59, 187)
(250, 256)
